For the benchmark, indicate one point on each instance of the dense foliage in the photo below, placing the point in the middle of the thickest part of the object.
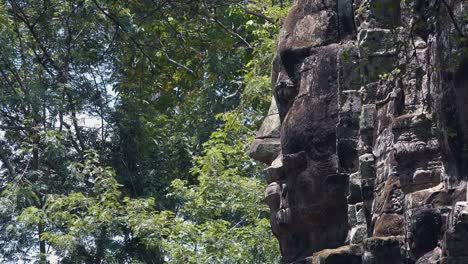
(125, 126)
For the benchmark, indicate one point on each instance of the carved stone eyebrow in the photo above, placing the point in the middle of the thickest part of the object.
(291, 57)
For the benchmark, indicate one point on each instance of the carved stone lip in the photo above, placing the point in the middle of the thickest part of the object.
(272, 195)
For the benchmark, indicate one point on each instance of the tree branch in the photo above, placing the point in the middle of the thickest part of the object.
(48, 58)
(138, 45)
(72, 140)
(173, 61)
(260, 15)
(12, 127)
(6, 161)
(232, 33)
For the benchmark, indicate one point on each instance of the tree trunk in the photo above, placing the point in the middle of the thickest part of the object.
(35, 167)
(42, 246)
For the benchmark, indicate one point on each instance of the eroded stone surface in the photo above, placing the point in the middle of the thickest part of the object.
(347, 254)
(367, 135)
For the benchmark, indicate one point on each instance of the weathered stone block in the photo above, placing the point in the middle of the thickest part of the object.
(273, 110)
(389, 197)
(389, 224)
(349, 69)
(419, 125)
(348, 127)
(347, 155)
(378, 14)
(432, 257)
(350, 102)
(424, 197)
(417, 152)
(265, 150)
(368, 123)
(354, 193)
(270, 127)
(295, 163)
(360, 214)
(313, 6)
(318, 28)
(367, 118)
(424, 226)
(456, 237)
(374, 68)
(346, 18)
(347, 254)
(357, 234)
(452, 260)
(365, 145)
(421, 176)
(377, 42)
(367, 166)
(418, 165)
(383, 250)
(367, 189)
(283, 217)
(369, 92)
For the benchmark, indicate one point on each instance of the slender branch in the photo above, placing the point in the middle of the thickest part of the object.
(138, 45)
(6, 161)
(21, 177)
(17, 128)
(48, 58)
(18, 80)
(15, 119)
(75, 121)
(168, 22)
(173, 61)
(232, 33)
(260, 15)
(15, 74)
(72, 140)
(114, 37)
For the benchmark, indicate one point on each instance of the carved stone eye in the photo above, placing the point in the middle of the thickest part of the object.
(286, 91)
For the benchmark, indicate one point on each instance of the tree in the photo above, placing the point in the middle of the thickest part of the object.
(222, 218)
(50, 75)
(157, 79)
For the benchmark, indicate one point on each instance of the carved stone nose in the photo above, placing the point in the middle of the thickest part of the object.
(266, 146)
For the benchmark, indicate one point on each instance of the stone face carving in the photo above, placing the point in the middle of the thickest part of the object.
(366, 138)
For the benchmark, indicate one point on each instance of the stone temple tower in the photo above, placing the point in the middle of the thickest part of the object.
(366, 138)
